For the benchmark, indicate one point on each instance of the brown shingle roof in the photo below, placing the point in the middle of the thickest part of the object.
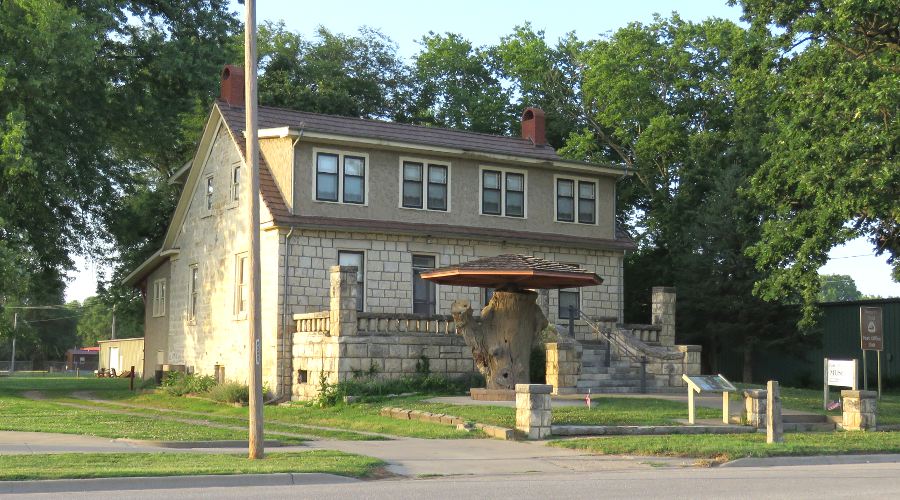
(389, 131)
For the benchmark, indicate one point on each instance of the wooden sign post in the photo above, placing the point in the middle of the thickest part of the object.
(871, 337)
(708, 383)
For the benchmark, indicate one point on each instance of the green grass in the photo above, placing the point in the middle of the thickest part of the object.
(606, 411)
(93, 465)
(810, 400)
(726, 447)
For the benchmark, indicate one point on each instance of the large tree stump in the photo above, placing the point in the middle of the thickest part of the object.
(502, 340)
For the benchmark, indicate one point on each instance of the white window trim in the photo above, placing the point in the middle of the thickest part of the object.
(504, 171)
(159, 300)
(425, 164)
(576, 180)
(365, 256)
(437, 287)
(191, 306)
(238, 314)
(340, 187)
(235, 197)
(209, 204)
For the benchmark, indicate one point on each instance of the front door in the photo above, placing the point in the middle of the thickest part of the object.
(114, 359)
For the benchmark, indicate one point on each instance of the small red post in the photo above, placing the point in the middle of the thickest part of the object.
(131, 382)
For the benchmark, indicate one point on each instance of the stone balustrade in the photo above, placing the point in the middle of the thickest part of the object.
(649, 334)
(392, 324)
(314, 323)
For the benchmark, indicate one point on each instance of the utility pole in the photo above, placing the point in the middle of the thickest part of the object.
(255, 313)
(113, 333)
(12, 360)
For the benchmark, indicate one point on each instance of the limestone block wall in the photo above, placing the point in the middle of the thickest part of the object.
(563, 366)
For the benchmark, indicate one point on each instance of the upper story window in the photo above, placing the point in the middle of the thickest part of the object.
(159, 298)
(576, 199)
(209, 193)
(236, 182)
(193, 291)
(340, 177)
(503, 192)
(425, 185)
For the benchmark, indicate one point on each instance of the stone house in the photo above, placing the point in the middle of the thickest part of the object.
(389, 199)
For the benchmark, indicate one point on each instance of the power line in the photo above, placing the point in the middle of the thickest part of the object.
(49, 319)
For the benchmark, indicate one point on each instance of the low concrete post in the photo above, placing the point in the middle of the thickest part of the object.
(755, 407)
(533, 414)
(343, 301)
(860, 409)
(774, 424)
(562, 366)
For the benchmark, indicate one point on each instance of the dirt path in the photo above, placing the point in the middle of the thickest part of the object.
(90, 396)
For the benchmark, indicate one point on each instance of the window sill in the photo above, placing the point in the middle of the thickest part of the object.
(348, 203)
(577, 223)
(437, 210)
(505, 216)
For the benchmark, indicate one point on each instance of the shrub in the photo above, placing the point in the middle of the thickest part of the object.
(369, 388)
(230, 392)
(179, 384)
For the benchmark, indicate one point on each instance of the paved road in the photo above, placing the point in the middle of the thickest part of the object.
(875, 481)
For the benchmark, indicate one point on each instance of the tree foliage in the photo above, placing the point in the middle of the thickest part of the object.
(832, 172)
(838, 288)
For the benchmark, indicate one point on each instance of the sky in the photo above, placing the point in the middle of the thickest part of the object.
(484, 23)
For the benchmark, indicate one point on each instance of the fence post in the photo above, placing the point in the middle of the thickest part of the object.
(131, 377)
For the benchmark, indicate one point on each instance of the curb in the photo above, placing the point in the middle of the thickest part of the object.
(169, 482)
(813, 460)
(196, 444)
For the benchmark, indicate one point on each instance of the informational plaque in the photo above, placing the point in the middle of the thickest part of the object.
(871, 328)
(708, 383)
(841, 373)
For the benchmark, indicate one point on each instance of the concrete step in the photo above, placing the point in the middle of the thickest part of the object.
(607, 382)
(803, 418)
(594, 376)
(612, 390)
(807, 426)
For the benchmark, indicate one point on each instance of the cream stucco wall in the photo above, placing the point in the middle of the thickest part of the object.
(383, 178)
(156, 328)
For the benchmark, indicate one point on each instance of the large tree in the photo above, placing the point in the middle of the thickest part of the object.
(832, 173)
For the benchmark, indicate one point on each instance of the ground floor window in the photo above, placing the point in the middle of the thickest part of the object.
(358, 260)
(424, 296)
(571, 297)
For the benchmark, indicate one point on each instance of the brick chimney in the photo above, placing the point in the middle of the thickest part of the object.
(233, 85)
(533, 127)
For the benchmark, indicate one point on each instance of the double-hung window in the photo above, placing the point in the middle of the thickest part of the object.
(236, 182)
(358, 260)
(570, 298)
(340, 178)
(193, 291)
(423, 291)
(209, 193)
(159, 298)
(425, 185)
(502, 192)
(576, 200)
(241, 283)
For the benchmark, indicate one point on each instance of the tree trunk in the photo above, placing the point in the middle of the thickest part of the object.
(502, 340)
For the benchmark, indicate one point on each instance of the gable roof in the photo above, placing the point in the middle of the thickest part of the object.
(389, 131)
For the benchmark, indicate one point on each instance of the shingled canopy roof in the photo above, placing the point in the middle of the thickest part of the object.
(512, 271)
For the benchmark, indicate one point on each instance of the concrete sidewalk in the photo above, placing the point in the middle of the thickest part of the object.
(32, 443)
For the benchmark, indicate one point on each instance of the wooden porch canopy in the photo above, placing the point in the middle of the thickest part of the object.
(513, 271)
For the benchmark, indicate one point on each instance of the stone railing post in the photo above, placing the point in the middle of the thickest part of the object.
(755, 407)
(343, 301)
(562, 366)
(533, 414)
(860, 409)
(663, 313)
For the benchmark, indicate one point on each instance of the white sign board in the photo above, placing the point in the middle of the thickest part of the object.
(841, 373)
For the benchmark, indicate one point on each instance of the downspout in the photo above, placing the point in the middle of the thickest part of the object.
(284, 292)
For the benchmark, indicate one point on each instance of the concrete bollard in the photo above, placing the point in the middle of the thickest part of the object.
(755, 407)
(860, 410)
(533, 413)
(774, 424)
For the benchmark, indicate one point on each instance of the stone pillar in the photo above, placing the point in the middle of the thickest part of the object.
(860, 410)
(774, 424)
(663, 313)
(755, 407)
(533, 410)
(343, 301)
(563, 367)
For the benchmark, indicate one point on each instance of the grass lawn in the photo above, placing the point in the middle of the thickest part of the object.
(811, 400)
(732, 446)
(92, 465)
(606, 411)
